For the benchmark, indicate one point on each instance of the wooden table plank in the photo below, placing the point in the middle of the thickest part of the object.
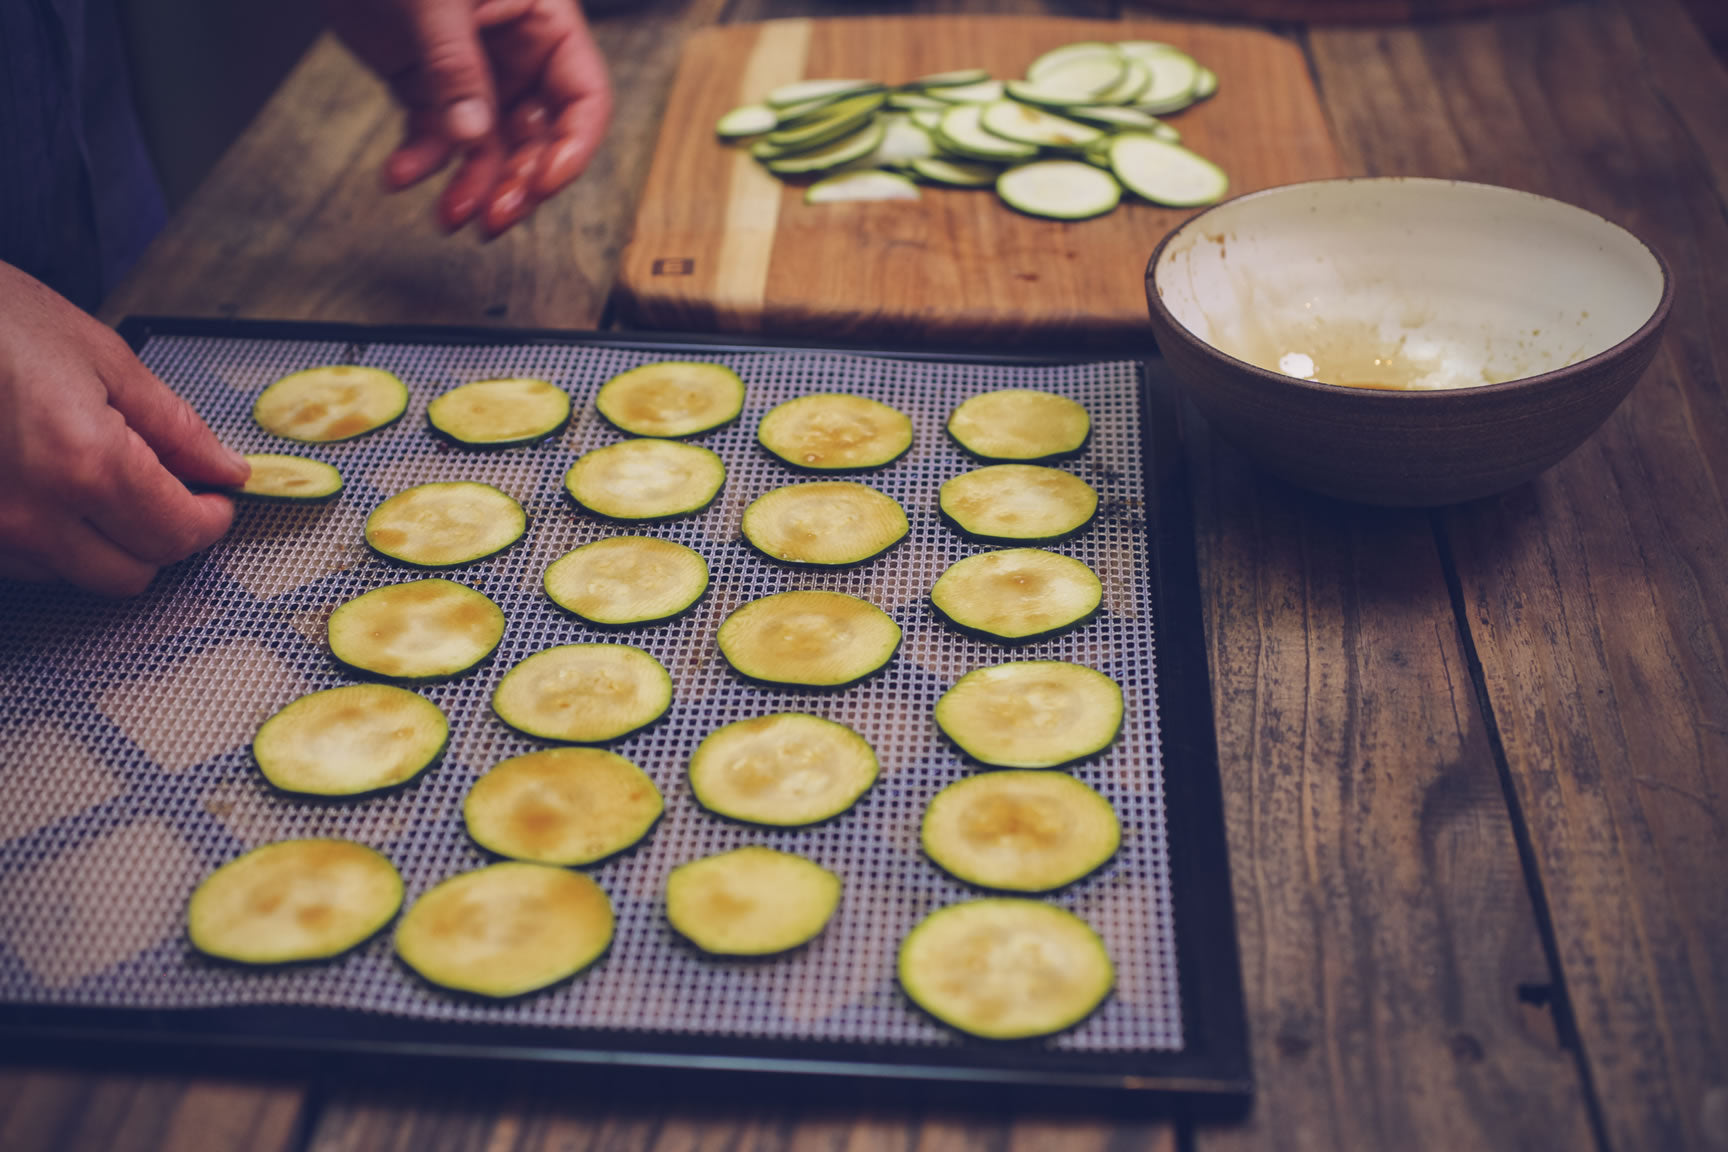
(1596, 596)
(71, 1111)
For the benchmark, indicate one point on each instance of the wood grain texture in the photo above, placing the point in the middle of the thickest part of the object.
(1596, 597)
(958, 265)
(70, 1111)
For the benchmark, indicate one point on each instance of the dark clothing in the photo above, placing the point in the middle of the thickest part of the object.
(79, 199)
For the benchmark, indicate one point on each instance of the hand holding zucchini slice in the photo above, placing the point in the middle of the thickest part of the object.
(422, 630)
(1018, 503)
(1018, 594)
(1019, 830)
(1031, 714)
(1005, 968)
(446, 523)
(500, 413)
(645, 479)
(293, 479)
(671, 398)
(813, 638)
(832, 431)
(824, 522)
(564, 806)
(350, 740)
(293, 900)
(751, 901)
(336, 402)
(507, 929)
(786, 770)
(583, 693)
(621, 580)
(1020, 425)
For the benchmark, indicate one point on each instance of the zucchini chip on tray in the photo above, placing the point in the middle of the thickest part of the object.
(1032, 713)
(500, 413)
(645, 479)
(1018, 503)
(507, 929)
(813, 638)
(564, 806)
(824, 522)
(1020, 830)
(442, 524)
(292, 901)
(1020, 424)
(324, 405)
(621, 580)
(835, 431)
(423, 630)
(583, 693)
(289, 479)
(350, 740)
(751, 901)
(1017, 594)
(786, 770)
(671, 398)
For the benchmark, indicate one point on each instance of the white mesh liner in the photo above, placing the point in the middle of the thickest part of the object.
(125, 726)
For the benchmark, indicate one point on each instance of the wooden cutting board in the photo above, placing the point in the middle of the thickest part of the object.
(720, 245)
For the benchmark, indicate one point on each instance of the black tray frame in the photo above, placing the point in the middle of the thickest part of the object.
(1210, 1077)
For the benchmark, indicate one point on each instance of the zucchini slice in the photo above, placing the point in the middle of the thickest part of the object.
(1065, 55)
(1166, 173)
(956, 173)
(1020, 424)
(563, 806)
(335, 402)
(672, 398)
(645, 479)
(785, 770)
(752, 901)
(962, 133)
(445, 523)
(841, 118)
(981, 92)
(854, 146)
(350, 740)
(856, 187)
(583, 693)
(507, 929)
(293, 900)
(1018, 594)
(1031, 714)
(627, 580)
(835, 431)
(1013, 120)
(1018, 503)
(1005, 967)
(746, 120)
(500, 413)
(1020, 831)
(1059, 189)
(803, 91)
(954, 78)
(421, 630)
(293, 479)
(824, 522)
(814, 638)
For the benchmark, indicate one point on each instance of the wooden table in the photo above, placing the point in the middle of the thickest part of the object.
(1475, 761)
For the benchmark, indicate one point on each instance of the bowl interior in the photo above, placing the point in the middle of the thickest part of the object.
(1406, 283)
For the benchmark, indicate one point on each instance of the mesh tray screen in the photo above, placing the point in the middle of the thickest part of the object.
(125, 726)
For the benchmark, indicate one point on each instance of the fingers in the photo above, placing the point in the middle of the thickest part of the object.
(456, 74)
(423, 152)
(471, 185)
(167, 424)
(136, 504)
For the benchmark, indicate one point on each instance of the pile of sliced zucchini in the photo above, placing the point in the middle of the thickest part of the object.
(583, 693)
(622, 580)
(785, 770)
(751, 901)
(292, 901)
(350, 740)
(564, 806)
(1062, 142)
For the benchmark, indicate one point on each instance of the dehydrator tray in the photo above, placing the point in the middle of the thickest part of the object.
(125, 730)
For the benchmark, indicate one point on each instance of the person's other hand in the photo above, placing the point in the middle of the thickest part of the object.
(514, 89)
(91, 444)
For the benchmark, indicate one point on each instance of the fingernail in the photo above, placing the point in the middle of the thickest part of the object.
(238, 462)
(468, 119)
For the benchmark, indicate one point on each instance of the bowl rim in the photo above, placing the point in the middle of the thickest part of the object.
(1155, 301)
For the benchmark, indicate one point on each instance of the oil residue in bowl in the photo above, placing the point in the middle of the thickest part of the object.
(1358, 354)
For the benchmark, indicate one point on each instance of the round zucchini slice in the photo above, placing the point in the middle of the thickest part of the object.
(672, 398)
(1022, 831)
(814, 638)
(751, 901)
(824, 522)
(624, 580)
(583, 693)
(1005, 968)
(1020, 424)
(422, 630)
(645, 479)
(562, 806)
(293, 479)
(350, 740)
(1018, 503)
(1031, 714)
(336, 402)
(507, 929)
(441, 524)
(500, 413)
(292, 901)
(1017, 595)
(835, 431)
(785, 770)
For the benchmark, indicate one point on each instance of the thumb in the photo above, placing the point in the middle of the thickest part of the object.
(458, 78)
(163, 420)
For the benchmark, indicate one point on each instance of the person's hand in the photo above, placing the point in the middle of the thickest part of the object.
(514, 89)
(91, 444)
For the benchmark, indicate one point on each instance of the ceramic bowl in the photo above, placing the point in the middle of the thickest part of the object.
(1405, 341)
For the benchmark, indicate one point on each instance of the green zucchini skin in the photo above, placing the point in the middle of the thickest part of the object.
(987, 637)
